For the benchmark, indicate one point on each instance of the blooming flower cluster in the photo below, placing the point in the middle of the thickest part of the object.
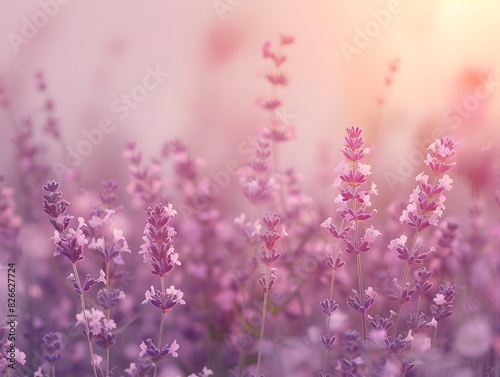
(353, 201)
(155, 354)
(256, 182)
(52, 347)
(100, 327)
(426, 203)
(145, 185)
(278, 130)
(157, 248)
(269, 253)
(164, 300)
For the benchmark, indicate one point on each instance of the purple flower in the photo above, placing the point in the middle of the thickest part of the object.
(88, 284)
(108, 299)
(71, 245)
(110, 249)
(268, 285)
(354, 200)
(329, 306)
(157, 248)
(327, 341)
(443, 302)
(255, 180)
(269, 238)
(52, 346)
(426, 202)
(164, 301)
(155, 354)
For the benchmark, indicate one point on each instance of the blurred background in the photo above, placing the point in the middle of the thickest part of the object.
(81, 79)
(402, 83)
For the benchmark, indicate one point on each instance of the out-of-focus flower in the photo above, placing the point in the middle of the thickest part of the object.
(474, 338)
(146, 184)
(52, 346)
(110, 249)
(426, 344)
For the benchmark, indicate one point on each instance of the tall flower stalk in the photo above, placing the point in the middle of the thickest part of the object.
(108, 244)
(269, 256)
(353, 204)
(158, 252)
(278, 129)
(70, 242)
(425, 207)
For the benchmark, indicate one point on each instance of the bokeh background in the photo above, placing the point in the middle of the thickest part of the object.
(92, 52)
(417, 77)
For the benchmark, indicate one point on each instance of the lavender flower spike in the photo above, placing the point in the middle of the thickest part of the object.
(157, 249)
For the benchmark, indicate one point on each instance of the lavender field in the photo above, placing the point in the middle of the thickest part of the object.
(249, 189)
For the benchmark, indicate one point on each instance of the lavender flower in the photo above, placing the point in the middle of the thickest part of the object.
(257, 184)
(443, 302)
(353, 203)
(157, 248)
(270, 255)
(145, 185)
(427, 199)
(164, 300)
(155, 354)
(52, 346)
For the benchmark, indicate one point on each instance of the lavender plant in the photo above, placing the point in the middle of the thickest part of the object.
(270, 255)
(395, 298)
(158, 252)
(70, 242)
(353, 208)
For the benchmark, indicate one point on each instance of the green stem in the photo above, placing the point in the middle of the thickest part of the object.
(361, 293)
(162, 323)
(405, 276)
(53, 370)
(330, 296)
(358, 265)
(108, 315)
(242, 355)
(396, 322)
(434, 337)
(277, 171)
(82, 302)
(418, 305)
(325, 355)
(263, 322)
